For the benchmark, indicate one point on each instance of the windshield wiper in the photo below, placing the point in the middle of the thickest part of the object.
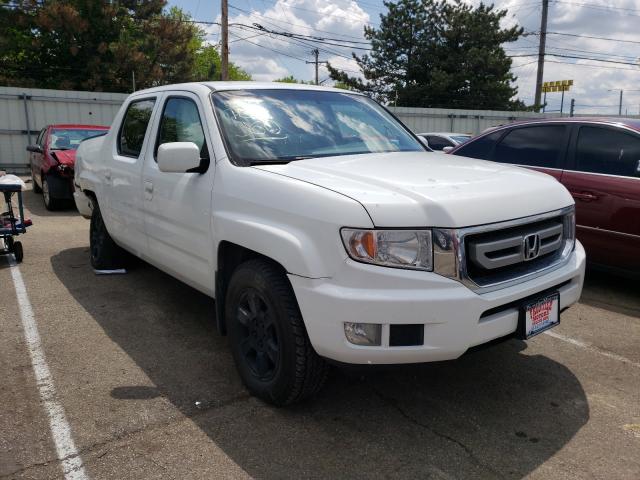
(279, 160)
(62, 148)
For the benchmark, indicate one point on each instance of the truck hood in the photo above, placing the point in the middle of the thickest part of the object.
(64, 157)
(412, 189)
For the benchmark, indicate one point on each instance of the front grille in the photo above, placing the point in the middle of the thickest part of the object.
(493, 256)
(500, 255)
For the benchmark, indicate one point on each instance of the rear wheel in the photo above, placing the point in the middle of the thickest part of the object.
(105, 254)
(268, 339)
(18, 252)
(36, 187)
(50, 203)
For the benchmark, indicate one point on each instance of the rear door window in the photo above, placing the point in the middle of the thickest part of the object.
(481, 147)
(536, 146)
(608, 151)
(134, 127)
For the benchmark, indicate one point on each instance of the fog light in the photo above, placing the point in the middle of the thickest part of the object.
(363, 333)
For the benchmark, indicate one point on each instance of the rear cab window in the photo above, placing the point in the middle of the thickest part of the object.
(134, 127)
(607, 151)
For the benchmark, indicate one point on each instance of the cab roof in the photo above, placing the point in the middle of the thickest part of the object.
(244, 85)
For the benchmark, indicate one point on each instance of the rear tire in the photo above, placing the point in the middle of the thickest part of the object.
(50, 203)
(36, 187)
(105, 254)
(269, 342)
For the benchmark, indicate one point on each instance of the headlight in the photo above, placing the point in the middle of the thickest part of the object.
(411, 249)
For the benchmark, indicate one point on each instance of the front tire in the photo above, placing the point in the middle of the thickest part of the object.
(50, 203)
(105, 254)
(269, 342)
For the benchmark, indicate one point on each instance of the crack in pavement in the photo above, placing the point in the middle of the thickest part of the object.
(129, 433)
(394, 404)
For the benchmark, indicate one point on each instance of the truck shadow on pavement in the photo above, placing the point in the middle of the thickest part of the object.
(494, 413)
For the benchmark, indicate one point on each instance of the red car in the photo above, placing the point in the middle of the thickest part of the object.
(597, 159)
(52, 158)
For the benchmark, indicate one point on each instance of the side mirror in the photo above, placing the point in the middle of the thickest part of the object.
(447, 149)
(424, 141)
(178, 157)
(637, 173)
(34, 148)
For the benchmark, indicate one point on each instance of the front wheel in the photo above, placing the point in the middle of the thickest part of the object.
(50, 203)
(268, 339)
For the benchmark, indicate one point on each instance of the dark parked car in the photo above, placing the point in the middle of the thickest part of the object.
(52, 159)
(597, 159)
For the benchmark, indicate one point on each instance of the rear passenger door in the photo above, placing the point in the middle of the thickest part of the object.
(539, 147)
(603, 175)
(177, 206)
(122, 177)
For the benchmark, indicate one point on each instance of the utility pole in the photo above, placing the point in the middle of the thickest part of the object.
(620, 103)
(541, 50)
(572, 110)
(133, 80)
(620, 106)
(316, 53)
(224, 30)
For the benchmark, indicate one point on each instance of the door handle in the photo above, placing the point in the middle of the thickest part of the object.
(148, 187)
(584, 196)
(107, 174)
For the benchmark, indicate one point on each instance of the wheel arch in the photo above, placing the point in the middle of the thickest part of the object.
(230, 256)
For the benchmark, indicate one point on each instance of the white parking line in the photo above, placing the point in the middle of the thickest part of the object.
(60, 430)
(592, 348)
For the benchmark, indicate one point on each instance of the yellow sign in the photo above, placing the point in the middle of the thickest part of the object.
(557, 86)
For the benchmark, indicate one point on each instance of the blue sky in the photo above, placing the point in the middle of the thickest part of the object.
(597, 84)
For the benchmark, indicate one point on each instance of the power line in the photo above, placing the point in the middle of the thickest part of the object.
(587, 36)
(611, 8)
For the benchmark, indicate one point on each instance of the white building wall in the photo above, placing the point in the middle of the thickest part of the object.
(22, 118)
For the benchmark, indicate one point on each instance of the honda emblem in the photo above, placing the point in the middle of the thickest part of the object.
(531, 246)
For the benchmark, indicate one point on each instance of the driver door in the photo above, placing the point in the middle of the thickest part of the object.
(177, 206)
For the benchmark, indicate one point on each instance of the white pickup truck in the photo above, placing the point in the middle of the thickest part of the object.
(324, 229)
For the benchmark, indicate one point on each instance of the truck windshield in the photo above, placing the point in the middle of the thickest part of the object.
(285, 125)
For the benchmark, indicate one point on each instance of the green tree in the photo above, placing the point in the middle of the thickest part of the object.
(98, 45)
(292, 79)
(429, 53)
(207, 66)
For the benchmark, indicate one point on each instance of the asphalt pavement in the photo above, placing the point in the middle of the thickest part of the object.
(148, 389)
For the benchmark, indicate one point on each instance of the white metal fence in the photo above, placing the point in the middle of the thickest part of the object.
(24, 111)
(422, 120)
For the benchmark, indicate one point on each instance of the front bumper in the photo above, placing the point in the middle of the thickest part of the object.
(454, 317)
(83, 203)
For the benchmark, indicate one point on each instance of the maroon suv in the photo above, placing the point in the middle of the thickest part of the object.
(597, 159)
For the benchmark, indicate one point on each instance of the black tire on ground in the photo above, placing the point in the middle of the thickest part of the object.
(18, 252)
(269, 342)
(105, 254)
(36, 187)
(50, 203)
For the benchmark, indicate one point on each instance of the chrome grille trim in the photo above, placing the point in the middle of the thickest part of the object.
(450, 251)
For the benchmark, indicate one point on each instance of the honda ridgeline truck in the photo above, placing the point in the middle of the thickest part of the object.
(324, 229)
